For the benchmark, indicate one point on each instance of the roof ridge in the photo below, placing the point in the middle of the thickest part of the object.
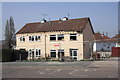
(58, 20)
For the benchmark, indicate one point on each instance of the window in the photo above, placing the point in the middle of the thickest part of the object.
(38, 52)
(34, 38)
(30, 38)
(31, 52)
(60, 36)
(53, 53)
(60, 51)
(52, 37)
(73, 37)
(38, 38)
(73, 53)
(22, 38)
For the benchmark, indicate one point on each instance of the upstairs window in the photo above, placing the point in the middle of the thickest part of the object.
(22, 38)
(52, 37)
(30, 38)
(60, 36)
(37, 38)
(73, 37)
(34, 38)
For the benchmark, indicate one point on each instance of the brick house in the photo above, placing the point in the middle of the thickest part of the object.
(66, 37)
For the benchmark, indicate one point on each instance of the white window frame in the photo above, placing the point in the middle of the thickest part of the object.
(30, 54)
(22, 39)
(34, 37)
(60, 35)
(39, 53)
(53, 36)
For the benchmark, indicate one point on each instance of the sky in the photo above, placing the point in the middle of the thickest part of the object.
(103, 15)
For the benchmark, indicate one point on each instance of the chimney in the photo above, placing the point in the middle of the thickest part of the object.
(60, 20)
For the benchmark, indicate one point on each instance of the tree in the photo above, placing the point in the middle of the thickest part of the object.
(7, 38)
(10, 33)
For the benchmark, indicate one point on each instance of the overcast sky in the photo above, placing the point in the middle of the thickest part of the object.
(103, 15)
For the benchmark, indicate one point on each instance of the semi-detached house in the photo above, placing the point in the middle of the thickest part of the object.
(67, 37)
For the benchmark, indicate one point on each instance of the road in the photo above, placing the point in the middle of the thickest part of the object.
(81, 69)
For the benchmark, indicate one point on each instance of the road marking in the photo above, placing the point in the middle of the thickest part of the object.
(86, 70)
(70, 73)
(94, 70)
(59, 69)
(40, 72)
(75, 70)
(55, 71)
(47, 69)
(109, 76)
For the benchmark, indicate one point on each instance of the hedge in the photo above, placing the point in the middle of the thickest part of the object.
(9, 55)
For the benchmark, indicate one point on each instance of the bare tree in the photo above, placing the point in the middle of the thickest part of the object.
(10, 33)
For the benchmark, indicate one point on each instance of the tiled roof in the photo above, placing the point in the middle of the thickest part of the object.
(101, 37)
(68, 25)
(117, 36)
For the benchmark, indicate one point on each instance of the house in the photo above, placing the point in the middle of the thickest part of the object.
(103, 45)
(116, 39)
(116, 49)
(65, 37)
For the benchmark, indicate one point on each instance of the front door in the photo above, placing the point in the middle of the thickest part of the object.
(74, 54)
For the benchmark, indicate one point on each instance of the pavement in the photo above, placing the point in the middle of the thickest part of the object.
(81, 69)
